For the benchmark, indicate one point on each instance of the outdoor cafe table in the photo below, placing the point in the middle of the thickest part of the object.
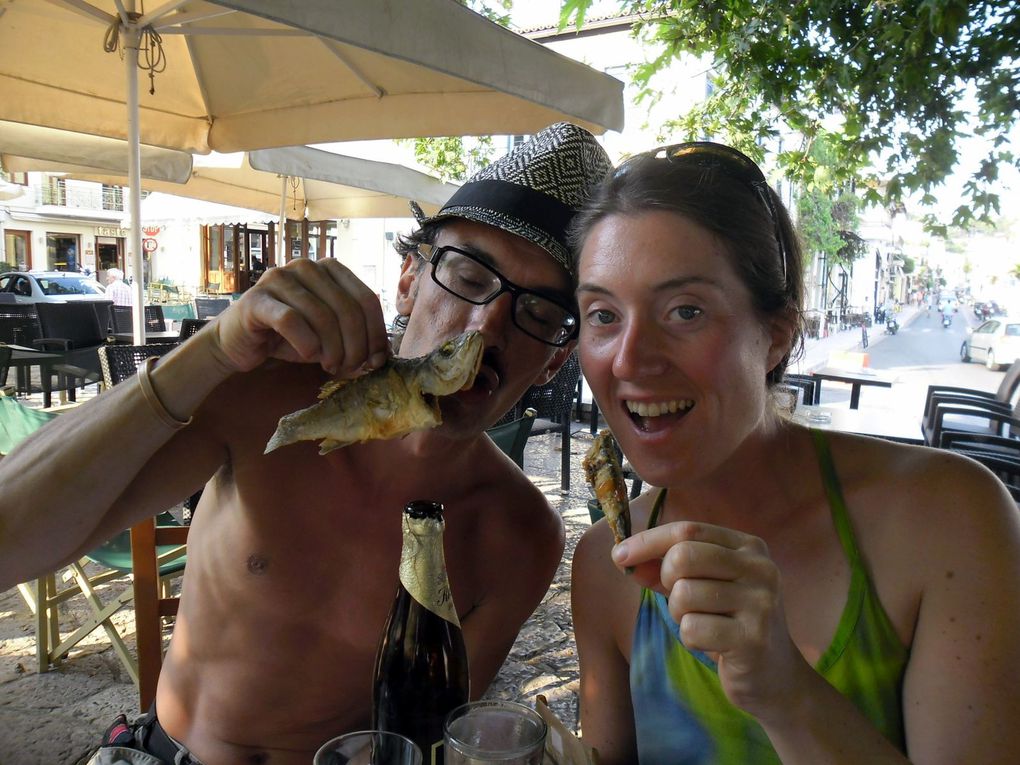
(854, 378)
(23, 359)
(890, 424)
(127, 338)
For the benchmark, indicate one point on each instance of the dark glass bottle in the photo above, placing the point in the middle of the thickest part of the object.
(421, 668)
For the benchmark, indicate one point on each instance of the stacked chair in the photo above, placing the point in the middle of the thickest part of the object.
(980, 425)
(805, 385)
(950, 408)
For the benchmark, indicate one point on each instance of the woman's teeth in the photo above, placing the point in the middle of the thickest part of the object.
(655, 409)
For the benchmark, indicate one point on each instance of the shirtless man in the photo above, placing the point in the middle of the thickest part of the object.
(292, 557)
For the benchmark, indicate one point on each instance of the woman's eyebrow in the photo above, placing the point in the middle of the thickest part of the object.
(669, 284)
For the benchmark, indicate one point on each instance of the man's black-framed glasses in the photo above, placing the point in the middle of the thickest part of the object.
(536, 315)
(734, 163)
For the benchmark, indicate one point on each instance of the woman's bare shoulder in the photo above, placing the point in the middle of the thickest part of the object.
(919, 490)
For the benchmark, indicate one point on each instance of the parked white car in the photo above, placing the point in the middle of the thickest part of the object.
(996, 342)
(50, 286)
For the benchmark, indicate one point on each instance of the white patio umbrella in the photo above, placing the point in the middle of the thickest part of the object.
(31, 147)
(311, 182)
(236, 75)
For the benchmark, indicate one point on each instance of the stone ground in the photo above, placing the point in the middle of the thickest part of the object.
(51, 718)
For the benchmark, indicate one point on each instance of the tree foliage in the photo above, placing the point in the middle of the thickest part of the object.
(450, 157)
(904, 78)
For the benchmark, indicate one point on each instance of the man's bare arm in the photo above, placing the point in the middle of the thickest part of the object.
(63, 485)
(66, 488)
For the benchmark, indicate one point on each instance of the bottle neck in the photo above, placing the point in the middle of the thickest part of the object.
(423, 566)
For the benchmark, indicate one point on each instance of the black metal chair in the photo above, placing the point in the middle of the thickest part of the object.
(554, 404)
(950, 418)
(207, 308)
(104, 314)
(19, 324)
(73, 331)
(939, 396)
(512, 436)
(154, 319)
(1005, 466)
(119, 362)
(804, 384)
(121, 315)
(190, 327)
(5, 359)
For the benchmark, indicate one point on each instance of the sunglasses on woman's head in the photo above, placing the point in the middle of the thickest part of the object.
(735, 164)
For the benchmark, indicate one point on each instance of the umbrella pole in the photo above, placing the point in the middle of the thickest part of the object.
(132, 37)
(282, 238)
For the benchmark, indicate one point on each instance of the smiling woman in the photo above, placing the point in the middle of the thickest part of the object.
(771, 593)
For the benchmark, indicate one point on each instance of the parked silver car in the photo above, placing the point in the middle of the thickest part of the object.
(50, 286)
(996, 342)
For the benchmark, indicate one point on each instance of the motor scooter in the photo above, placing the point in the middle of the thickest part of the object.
(947, 319)
(891, 326)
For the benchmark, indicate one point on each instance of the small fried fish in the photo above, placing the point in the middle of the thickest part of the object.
(389, 402)
(604, 473)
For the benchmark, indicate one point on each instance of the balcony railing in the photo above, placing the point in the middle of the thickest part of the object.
(57, 192)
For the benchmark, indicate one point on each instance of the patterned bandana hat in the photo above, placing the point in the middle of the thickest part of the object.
(535, 190)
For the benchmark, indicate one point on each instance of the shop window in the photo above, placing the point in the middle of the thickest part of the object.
(62, 252)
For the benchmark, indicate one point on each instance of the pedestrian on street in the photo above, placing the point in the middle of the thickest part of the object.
(117, 289)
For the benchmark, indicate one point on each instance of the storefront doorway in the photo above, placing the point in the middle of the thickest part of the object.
(109, 253)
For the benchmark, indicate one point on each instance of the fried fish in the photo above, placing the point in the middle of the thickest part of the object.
(605, 474)
(389, 402)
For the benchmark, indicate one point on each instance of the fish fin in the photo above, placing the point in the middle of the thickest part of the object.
(329, 444)
(331, 387)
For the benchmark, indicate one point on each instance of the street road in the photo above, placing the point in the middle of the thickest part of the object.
(920, 354)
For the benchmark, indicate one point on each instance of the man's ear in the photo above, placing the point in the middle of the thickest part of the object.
(557, 360)
(407, 288)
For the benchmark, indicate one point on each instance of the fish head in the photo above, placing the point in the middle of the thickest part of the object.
(452, 366)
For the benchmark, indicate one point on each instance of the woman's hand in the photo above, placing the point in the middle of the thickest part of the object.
(725, 593)
(310, 311)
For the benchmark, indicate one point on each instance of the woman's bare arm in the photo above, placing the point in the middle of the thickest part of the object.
(607, 716)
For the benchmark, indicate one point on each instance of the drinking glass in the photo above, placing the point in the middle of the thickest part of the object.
(369, 747)
(494, 732)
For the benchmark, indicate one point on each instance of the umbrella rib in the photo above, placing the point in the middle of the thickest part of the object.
(362, 78)
(87, 9)
(232, 32)
(185, 17)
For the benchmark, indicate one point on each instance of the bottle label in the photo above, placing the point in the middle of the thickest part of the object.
(423, 567)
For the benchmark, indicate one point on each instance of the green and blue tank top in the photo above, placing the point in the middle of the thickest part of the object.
(682, 716)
